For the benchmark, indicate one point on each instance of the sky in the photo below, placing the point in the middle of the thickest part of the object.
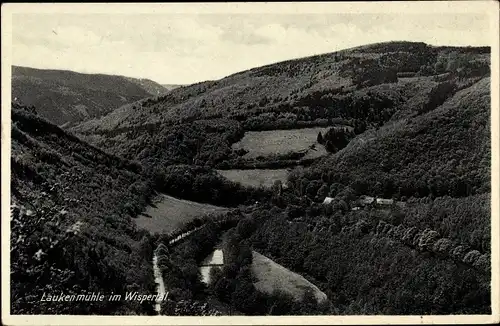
(185, 48)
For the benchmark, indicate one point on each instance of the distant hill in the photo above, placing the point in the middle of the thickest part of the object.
(66, 97)
(171, 87)
(150, 86)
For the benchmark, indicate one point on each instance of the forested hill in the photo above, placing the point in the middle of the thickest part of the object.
(71, 222)
(363, 87)
(443, 152)
(65, 96)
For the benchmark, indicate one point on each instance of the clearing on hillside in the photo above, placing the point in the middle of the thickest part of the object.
(263, 143)
(272, 276)
(168, 213)
(255, 177)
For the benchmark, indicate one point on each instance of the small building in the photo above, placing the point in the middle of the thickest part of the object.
(366, 200)
(327, 200)
(383, 201)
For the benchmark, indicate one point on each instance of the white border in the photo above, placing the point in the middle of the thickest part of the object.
(489, 7)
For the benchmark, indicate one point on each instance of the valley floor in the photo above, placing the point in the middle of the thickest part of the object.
(255, 177)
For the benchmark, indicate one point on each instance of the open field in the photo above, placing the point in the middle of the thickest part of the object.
(255, 177)
(272, 276)
(168, 213)
(262, 143)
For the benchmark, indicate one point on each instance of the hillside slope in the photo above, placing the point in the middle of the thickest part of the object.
(171, 87)
(272, 276)
(445, 151)
(71, 223)
(363, 87)
(65, 96)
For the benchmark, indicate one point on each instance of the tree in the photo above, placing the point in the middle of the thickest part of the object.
(245, 227)
(330, 147)
(359, 127)
(309, 303)
(320, 138)
(323, 191)
(278, 187)
(335, 188)
(313, 187)
(336, 139)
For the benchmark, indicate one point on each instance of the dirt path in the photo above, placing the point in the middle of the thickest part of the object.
(160, 284)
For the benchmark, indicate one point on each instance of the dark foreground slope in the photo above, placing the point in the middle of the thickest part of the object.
(71, 223)
(65, 96)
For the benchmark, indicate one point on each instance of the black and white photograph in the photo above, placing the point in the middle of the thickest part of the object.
(243, 163)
